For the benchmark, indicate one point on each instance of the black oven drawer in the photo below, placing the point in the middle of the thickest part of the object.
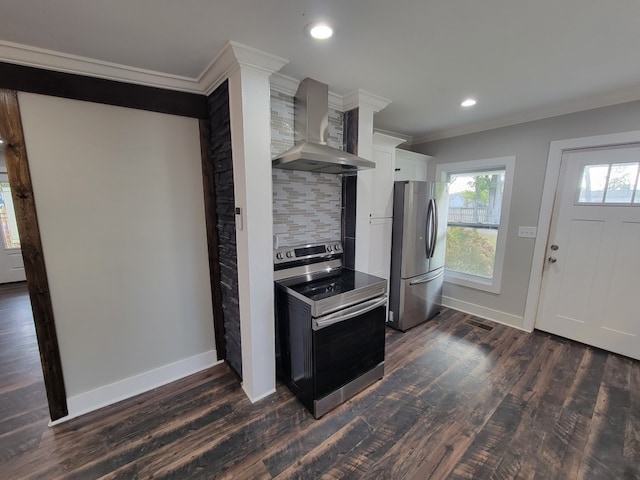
(344, 350)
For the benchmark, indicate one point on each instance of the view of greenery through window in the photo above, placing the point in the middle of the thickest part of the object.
(475, 201)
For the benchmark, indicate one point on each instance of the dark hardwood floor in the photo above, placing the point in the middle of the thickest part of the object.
(458, 401)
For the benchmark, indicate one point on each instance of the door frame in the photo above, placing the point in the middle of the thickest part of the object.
(32, 252)
(551, 180)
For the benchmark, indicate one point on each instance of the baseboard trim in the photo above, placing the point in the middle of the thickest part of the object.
(497, 316)
(129, 387)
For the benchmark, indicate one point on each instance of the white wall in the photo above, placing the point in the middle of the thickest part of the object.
(121, 212)
(529, 142)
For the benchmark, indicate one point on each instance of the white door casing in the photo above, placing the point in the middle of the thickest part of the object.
(556, 150)
(11, 263)
(590, 275)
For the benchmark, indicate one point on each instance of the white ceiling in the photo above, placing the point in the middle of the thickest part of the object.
(521, 59)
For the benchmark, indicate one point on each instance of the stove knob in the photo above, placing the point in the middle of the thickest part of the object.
(289, 254)
(279, 256)
(337, 247)
(329, 248)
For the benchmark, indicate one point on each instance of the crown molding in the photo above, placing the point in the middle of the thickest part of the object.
(540, 113)
(360, 98)
(51, 60)
(233, 56)
(284, 84)
(386, 140)
(408, 139)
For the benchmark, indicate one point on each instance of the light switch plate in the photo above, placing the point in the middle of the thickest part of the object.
(527, 232)
(239, 218)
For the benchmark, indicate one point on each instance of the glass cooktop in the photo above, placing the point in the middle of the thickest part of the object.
(343, 281)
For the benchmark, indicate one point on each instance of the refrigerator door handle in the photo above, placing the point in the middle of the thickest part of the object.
(434, 229)
(427, 278)
(428, 234)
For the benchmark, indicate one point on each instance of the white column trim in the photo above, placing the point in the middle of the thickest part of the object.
(556, 150)
(367, 106)
(250, 114)
(363, 99)
(233, 56)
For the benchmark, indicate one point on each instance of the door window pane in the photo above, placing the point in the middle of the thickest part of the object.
(8, 218)
(610, 183)
(622, 180)
(594, 180)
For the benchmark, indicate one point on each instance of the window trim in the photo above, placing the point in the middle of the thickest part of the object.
(443, 170)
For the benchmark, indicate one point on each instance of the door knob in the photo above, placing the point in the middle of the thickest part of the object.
(552, 259)
(554, 247)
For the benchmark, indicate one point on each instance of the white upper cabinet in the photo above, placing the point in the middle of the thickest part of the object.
(411, 165)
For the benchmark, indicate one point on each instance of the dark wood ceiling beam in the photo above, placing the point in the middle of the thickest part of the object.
(100, 90)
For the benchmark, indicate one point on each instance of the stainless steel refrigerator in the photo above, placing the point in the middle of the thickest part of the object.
(417, 252)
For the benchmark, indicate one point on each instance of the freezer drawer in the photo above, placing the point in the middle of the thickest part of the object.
(419, 300)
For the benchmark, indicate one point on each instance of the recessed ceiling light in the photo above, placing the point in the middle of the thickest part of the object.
(319, 30)
(469, 102)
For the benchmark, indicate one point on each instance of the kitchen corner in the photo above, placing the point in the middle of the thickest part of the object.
(321, 305)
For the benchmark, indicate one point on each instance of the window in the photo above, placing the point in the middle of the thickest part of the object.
(479, 199)
(610, 183)
(8, 216)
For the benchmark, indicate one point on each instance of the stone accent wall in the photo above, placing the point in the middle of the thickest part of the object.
(226, 228)
(349, 191)
(306, 205)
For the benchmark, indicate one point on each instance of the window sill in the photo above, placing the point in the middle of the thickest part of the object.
(491, 285)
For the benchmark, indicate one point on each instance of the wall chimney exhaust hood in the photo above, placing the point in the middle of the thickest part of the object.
(311, 121)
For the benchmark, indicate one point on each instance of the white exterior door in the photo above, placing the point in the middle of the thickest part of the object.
(11, 265)
(591, 278)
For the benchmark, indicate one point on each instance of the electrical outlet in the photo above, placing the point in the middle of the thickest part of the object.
(527, 232)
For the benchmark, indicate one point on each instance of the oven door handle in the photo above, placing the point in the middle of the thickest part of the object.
(347, 313)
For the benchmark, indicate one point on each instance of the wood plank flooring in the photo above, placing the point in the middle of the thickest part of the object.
(458, 401)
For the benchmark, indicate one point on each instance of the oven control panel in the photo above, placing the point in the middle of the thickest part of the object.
(304, 252)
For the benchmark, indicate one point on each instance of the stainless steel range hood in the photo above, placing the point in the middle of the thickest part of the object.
(311, 121)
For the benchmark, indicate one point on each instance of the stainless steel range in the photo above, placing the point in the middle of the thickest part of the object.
(330, 325)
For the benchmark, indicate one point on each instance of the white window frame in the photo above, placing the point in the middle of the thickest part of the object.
(443, 171)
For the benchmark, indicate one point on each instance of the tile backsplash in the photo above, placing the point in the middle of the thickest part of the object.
(306, 205)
